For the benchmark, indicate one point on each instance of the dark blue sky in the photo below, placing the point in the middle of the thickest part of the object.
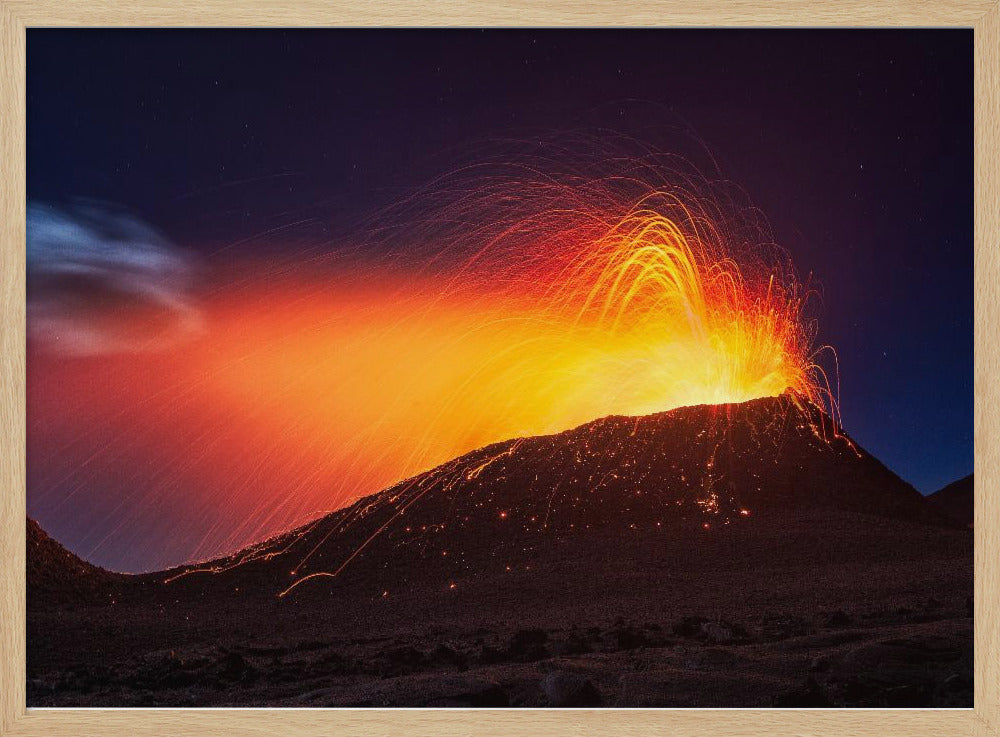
(857, 145)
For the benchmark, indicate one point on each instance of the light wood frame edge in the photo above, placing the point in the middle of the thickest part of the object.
(15, 719)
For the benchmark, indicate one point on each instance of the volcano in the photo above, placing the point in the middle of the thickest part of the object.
(723, 555)
(693, 469)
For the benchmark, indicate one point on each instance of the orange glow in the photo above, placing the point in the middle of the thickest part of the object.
(390, 377)
(306, 392)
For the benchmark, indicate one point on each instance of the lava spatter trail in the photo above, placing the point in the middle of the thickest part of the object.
(503, 300)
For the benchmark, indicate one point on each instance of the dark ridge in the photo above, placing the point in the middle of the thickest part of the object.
(956, 500)
(57, 578)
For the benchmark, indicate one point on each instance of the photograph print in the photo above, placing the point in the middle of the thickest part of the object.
(499, 368)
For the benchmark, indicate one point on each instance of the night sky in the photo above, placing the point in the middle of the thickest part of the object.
(857, 145)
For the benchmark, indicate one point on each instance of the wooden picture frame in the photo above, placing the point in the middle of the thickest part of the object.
(15, 719)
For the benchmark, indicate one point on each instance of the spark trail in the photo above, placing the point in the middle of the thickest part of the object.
(501, 301)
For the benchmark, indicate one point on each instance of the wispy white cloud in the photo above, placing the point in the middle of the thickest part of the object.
(101, 280)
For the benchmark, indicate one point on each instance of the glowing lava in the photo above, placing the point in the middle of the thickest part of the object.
(551, 303)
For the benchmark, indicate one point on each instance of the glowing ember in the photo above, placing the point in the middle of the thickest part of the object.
(509, 306)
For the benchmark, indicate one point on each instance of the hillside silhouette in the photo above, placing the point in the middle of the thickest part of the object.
(956, 500)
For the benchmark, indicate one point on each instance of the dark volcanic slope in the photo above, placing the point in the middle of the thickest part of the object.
(57, 577)
(703, 467)
(956, 500)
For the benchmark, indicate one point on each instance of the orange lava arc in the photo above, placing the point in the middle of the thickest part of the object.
(508, 306)
(550, 319)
